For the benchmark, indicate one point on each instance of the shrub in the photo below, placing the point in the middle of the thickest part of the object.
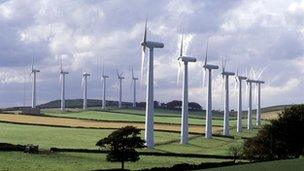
(282, 139)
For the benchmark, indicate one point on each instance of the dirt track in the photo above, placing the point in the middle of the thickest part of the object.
(53, 121)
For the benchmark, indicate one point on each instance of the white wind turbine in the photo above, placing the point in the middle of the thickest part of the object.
(258, 84)
(226, 75)
(62, 80)
(134, 79)
(249, 115)
(84, 83)
(258, 114)
(239, 80)
(104, 84)
(120, 78)
(184, 121)
(149, 127)
(34, 72)
(208, 130)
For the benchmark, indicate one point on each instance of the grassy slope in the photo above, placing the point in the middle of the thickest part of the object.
(82, 161)
(62, 137)
(281, 165)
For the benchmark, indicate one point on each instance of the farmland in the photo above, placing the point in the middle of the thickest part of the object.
(82, 129)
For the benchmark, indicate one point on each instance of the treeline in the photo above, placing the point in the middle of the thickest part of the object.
(77, 103)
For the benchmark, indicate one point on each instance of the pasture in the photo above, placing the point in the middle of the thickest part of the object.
(82, 129)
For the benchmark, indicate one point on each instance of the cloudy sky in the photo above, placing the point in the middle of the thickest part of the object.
(87, 35)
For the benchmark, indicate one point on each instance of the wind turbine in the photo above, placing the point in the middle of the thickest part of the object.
(226, 75)
(84, 84)
(149, 127)
(134, 79)
(120, 78)
(209, 68)
(34, 72)
(184, 121)
(258, 114)
(62, 80)
(104, 80)
(249, 115)
(239, 80)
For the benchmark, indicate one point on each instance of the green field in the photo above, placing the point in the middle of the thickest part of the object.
(131, 115)
(83, 161)
(46, 137)
(281, 165)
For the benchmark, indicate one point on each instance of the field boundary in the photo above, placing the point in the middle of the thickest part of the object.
(79, 127)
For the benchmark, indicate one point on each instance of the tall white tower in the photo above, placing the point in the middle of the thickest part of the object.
(120, 78)
(185, 112)
(34, 88)
(149, 127)
(258, 114)
(62, 79)
(249, 116)
(240, 108)
(104, 80)
(85, 89)
(134, 79)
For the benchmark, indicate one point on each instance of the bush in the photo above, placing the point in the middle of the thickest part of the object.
(282, 139)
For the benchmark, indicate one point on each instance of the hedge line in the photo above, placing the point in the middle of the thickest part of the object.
(144, 153)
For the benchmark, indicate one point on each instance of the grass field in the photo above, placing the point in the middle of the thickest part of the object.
(83, 161)
(281, 165)
(64, 137)
(162, 116)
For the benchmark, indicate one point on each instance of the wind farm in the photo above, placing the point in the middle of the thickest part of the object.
(157, 90)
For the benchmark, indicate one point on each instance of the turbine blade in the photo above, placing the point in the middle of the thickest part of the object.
(181, 46)
(145, 33)
(132, 73)
(206, 55)
(260, 74)
(117, 73)
(143, 55)
(178, 72)
(204, 77)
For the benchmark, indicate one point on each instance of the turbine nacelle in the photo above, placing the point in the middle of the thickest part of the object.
(135, 78)
(226, 73)
(152, 45)
(241, 77)
(35, 70)
(85, 74)
(64, 73)
(210, 67)
(105, 76)
(187, 59)
(121, 78)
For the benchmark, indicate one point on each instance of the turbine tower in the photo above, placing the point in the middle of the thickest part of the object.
(258, 114)
(104, 81)
(249, 115)
(84, 84)
(120, 78)
(226, 75)
(134, 79)
(34, 72)
(62, 80)
(149, 127)
(184, 121)
(209, 68)
(239, 80)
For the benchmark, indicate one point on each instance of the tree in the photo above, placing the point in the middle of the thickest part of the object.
(282, 139)
(121, 145)
(175, 104)
(195, 106)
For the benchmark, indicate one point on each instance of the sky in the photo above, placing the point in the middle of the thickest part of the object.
(89, 35)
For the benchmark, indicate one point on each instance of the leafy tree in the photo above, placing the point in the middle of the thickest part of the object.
(175, 104)
(282, 139)
(195, 106)
(121, 145)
